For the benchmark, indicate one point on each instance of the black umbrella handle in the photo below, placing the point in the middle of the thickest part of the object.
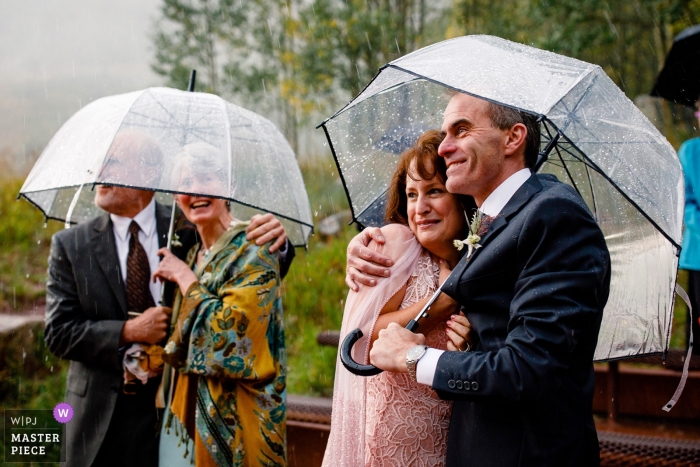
(370, 370)
(351, 365)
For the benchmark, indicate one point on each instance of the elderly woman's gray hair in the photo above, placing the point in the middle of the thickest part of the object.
(201, 160)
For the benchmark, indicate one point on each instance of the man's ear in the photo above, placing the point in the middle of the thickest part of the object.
(515, 139)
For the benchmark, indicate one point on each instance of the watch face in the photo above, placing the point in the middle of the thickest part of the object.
(415, 352)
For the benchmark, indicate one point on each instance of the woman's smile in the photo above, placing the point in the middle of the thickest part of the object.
(200, 204)
(425, 224)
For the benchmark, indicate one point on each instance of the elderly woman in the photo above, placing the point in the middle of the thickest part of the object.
(389, 419)
(227, 403)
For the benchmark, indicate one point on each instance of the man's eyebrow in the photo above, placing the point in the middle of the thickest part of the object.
(461, 121)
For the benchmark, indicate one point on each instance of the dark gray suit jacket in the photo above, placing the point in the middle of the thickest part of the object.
(85, 313)
(534, 293)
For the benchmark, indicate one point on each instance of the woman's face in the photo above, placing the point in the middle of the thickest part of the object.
(201, 210)
(434, 215)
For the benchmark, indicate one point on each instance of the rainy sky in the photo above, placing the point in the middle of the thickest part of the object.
(56, 56)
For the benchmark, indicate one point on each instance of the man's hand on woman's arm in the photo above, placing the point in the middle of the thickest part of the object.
(365, 265)
(264, 228)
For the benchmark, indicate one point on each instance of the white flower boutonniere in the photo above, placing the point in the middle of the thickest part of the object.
(472, 241)
(175, 240)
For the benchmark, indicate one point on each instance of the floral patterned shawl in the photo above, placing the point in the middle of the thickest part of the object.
(227, 342)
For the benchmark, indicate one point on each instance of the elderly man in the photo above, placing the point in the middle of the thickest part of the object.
(534, 294)
(98, 271)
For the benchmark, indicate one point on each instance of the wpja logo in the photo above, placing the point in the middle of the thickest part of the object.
(36, 435)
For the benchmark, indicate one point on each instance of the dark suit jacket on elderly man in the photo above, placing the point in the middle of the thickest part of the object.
(85, 313)
(534, 294)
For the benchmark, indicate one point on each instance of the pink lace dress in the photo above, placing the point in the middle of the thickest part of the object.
(406, 422)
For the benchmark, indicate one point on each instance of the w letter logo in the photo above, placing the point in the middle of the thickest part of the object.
(63, 413)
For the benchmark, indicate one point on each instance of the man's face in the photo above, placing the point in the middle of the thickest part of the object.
(124, 165)
(472, 148)
(122, 201)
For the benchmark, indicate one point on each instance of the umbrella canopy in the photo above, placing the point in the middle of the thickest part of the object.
(149, 139)
(601, 144)
(679, 80)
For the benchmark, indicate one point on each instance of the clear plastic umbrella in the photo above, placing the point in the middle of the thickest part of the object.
(593, 137)
(150, 139)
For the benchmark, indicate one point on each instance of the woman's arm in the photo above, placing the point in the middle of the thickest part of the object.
(440, 311)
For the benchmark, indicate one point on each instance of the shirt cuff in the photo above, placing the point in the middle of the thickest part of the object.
(425, 369)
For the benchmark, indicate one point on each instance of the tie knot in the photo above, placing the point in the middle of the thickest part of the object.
(134, 229)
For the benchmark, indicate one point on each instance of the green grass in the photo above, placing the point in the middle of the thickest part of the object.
(314, 289)
(314, 298)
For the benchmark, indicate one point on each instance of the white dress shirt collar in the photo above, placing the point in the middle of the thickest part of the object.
(146, 219)
(496, 201)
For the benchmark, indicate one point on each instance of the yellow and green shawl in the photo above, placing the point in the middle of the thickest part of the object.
(227, 342)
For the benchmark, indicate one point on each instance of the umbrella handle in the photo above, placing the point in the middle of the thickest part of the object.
(370, 370)
(357, 368)
(346, 358)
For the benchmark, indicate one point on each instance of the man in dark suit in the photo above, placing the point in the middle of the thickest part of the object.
(534, 293)
(86, 311)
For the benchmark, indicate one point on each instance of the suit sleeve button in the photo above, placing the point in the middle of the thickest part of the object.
(458, 383)
(451, 384)
(475, 385)
(466, 386)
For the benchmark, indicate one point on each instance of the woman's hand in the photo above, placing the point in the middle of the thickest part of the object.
(459, 333)
(173, 269)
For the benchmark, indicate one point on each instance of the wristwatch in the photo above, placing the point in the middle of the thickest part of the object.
(414, 354)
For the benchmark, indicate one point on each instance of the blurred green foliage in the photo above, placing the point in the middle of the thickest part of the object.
(307, 58)
(314, 289)
(31, 377)
(25, 240)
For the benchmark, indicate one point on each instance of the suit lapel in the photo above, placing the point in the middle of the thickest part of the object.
(103, 243)
(531, 186)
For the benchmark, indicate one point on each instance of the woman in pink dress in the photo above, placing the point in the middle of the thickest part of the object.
(389, 419)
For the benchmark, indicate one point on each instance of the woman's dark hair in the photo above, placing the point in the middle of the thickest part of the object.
(429, 164)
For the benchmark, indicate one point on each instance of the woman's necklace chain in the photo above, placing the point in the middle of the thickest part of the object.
(207, 251)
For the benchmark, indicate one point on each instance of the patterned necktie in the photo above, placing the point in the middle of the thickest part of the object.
(138, 274)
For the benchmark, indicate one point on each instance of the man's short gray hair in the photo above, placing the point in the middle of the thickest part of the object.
(504, 118)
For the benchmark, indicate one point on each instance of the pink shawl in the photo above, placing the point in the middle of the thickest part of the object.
(346, 444)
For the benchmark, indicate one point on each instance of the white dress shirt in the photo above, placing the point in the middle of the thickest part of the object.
(148, 236)
(492, 206)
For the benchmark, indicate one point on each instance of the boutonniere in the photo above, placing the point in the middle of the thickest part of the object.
(472, 241)
(175, 240)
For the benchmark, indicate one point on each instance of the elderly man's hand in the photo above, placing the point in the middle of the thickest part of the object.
(390, 349)
(149, 327)
(264, 228)
(364, 265)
